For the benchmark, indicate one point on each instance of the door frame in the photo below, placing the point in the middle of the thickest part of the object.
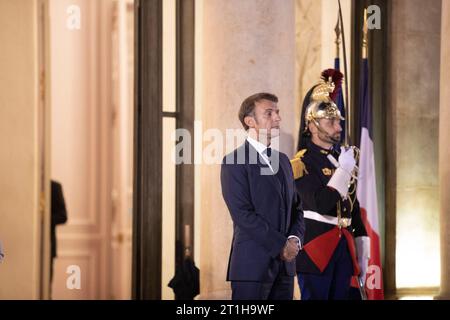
(147, 193)
(44, 137)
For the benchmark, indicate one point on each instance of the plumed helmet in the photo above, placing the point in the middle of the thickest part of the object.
(319, 103)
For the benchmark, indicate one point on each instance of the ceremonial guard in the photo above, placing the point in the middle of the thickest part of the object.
(336, 244)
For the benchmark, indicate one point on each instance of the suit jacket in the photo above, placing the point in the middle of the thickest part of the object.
(58, 212)
(262, 217)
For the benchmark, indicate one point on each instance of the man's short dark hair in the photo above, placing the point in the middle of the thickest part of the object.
(248, 105)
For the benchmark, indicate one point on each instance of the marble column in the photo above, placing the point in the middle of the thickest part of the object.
(412, 165)
(444, 152)
(248, 47)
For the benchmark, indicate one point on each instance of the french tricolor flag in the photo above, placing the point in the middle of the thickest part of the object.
(366, 189)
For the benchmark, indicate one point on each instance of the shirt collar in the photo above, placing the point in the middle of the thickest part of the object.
(260, 147)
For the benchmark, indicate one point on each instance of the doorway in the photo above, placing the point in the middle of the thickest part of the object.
(163, 230)
(91, 85)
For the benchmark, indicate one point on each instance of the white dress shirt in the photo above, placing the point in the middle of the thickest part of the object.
(261, 148)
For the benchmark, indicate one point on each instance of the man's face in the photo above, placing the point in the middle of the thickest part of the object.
(331, 130)
(266, 120)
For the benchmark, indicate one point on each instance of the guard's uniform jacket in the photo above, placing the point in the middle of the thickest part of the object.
(312, 171)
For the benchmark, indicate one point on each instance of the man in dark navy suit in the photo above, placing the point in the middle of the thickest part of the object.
(259, 190)
(58, 216)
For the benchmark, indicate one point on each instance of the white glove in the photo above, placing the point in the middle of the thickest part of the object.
(363, 253)
(341, 177)
(347, 159)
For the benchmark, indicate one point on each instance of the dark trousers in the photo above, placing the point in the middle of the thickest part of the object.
(334, 282)
(281, 287)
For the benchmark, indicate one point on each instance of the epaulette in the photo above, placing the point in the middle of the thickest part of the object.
(298, 167)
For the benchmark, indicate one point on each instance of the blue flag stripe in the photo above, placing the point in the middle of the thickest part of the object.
(340, 102)
(364, 99)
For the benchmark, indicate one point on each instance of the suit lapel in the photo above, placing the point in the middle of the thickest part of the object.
(287, 187)
(262, 167)
(289, 191)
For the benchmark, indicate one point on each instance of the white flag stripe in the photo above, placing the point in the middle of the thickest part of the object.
(366, 189)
